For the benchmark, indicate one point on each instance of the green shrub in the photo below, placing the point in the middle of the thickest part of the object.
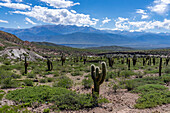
(129, 85)
(87, 83)
(56, 74)
(1, 96)
(167, 70)
(64, 82)
(46, 110)
(14, 109)
(7, 74)
(42, 80)
(109, 75)
(166, 79)
(147, 80)
(76, 73)
(127, 73)
(8, 83)
(62, 98)
(31, 75)
(152, 99)
(149, 87)
(115, 87)
(2, 93)
(28, 82)
(7, 62)
(1, 48)
(50, 79)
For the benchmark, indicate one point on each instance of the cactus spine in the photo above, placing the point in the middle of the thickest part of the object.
(98, 77)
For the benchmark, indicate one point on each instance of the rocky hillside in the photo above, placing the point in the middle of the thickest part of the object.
(10, 38)
(10, 42)
(18, 53)
(14, 48)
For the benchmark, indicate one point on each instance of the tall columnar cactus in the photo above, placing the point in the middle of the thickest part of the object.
(167, 61)
(84, 60)
(144, 61)
(26, 65)
(134, 60)
(153, 60)
(160, 66)
(98, 77)
(128, 64)
(111, 61)
(63, 59)
(49, 65)
(122, 61)
(127, 60)
(150, 61)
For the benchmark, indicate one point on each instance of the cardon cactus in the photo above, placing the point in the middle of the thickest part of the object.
(26, 65)
(122, 61)
(128, 64)
(63, 58)
(153, 60)
(50, 65)
(144, 61)
(160, 66)
(167, 61)
(111, 61)
(134, 60)
(98, 77)
(84, 60)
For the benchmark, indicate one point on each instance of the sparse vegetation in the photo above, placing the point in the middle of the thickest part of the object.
(73, 78)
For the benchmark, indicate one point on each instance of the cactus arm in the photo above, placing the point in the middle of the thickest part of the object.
(93, 72)
(51, 66)
(103, 73)
(98, 76)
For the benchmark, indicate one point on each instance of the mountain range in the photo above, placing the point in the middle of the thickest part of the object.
(79, 36)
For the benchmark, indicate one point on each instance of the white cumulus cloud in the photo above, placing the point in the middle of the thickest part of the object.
(144, 17)
(160, 6)
(18, 0)
(30, 21)
(6, 1)
(3, 21)
(121, 23)
(60, 3)
(58, 16)
(106, 20)
(15, 5)
(140, 11)
(126, 24)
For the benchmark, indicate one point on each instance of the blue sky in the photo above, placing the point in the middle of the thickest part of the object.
(130, 15)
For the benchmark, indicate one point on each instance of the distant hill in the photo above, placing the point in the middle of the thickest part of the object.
(8, 41)
(48, 30)
(47, 44)
(112, 48)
